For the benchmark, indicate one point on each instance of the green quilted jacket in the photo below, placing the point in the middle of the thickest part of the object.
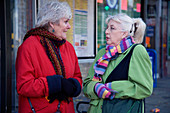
(138, 86)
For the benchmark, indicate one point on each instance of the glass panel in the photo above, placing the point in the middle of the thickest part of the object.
(112, 7)
(103, 10)
(131, 7)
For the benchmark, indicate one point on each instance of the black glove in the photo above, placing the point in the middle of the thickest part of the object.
(54, 84)
(61, 89)
(70, 87)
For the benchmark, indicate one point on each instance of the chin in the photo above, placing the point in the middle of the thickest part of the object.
(108, 43)
(64, 38)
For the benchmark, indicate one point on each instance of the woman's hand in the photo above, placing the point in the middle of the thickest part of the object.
(70, 87)
(61, 88)
(104, 92)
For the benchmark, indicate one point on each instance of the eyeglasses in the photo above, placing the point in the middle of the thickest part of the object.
(112, 29)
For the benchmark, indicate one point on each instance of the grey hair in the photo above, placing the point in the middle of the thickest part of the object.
(53, 11)
(135, 26)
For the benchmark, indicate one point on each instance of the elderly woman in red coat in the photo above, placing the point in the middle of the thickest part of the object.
(47, 70)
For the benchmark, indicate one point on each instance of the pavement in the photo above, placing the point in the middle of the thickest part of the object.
(160, 98)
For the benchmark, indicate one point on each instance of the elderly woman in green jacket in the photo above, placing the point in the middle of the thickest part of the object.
(121, 76)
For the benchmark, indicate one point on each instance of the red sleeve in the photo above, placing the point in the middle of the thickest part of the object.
(77, 73)
(27, 84)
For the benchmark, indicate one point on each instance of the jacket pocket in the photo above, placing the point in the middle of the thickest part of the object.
(95, 106)
(39, 103)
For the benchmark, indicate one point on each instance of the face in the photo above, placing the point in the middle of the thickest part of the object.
(61, 28)
(114, 33)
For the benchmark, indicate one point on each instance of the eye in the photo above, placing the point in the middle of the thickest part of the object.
(66, 21)
(112, 28)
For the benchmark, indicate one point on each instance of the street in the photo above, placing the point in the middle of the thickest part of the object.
(160, 97)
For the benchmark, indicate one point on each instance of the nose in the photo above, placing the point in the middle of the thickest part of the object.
(106, 32)
(68, 26)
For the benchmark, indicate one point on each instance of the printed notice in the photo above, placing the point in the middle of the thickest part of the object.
(81, 32)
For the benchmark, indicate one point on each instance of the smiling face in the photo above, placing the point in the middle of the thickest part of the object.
(114, 33)
(61, 28)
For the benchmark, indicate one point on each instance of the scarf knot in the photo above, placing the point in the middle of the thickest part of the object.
(112, 52)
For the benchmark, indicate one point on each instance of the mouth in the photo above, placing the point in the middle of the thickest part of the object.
(107, 38)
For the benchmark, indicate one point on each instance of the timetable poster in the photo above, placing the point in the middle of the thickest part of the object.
(80, 29)
(81, 32)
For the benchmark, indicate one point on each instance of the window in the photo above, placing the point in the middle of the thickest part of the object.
(112, 7)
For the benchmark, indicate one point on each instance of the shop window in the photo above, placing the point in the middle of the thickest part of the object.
(112, 7)
(131, 7)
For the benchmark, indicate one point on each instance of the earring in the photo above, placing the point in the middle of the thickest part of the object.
(53, 30)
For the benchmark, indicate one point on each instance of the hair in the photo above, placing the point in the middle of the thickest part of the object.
(53, 11)
(135, 26)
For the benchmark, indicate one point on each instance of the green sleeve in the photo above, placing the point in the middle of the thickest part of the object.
(88, 84)
(140, 82)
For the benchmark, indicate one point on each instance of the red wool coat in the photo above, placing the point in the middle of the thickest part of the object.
(32, 67)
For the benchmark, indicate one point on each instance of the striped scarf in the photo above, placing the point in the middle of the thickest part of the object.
(112, 52)
(51, 45)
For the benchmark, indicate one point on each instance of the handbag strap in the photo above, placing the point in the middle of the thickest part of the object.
(58, 108)
(32, 108)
